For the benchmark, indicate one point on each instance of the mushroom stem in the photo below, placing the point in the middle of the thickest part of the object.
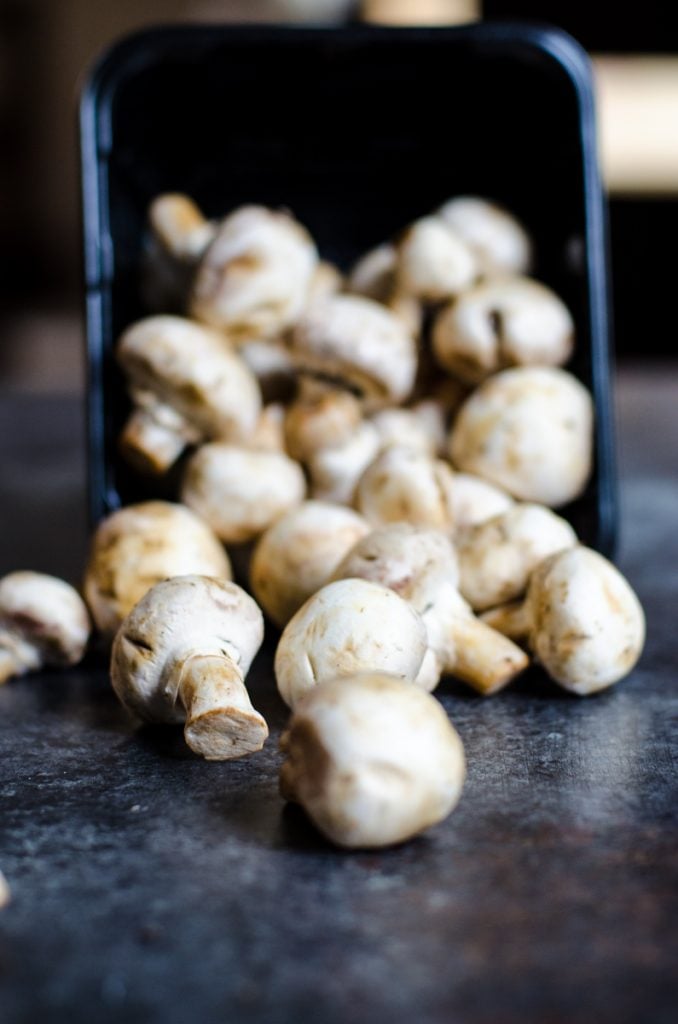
(512, 619)
(9, 665)
(482, 657)
(220, 720)
(151, 446)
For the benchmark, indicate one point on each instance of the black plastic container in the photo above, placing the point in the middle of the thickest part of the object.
(358, 131)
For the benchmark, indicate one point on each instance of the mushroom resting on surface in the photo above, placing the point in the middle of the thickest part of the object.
(359, 345)
(239, 491)
(254, 279)
(346, 627)
(297, 555)
(420, 565)
(497, 557)
(505, 322)
(187, 386)
(140, 545)
(581, 619)
(372, 760)
(530, 431)
(497, 239)
(43, 622)
(182, 655)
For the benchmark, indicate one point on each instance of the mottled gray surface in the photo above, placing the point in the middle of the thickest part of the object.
(150, 886)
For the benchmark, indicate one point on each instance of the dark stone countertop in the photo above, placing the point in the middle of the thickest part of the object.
(149, 886)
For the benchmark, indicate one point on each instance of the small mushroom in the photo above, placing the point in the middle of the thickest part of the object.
(581, 619)
(297, 555)
(528, 430)
(358, 345)
(43, 622)
(178, 237)
(475, 500)
(137, 547)
(406, 485)
(325, 430)
(187, 386)
(500, 323)
(374, 273)
(254, 279)
(182, 655)
(498, 556)
(420, 565)
(434, 263)
(372, 760)
(241, 491)
(499, 242)
(346, 627)
(406, 428)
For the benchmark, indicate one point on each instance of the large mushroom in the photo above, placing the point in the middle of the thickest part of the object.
(372, 760)
(182, 655)
(528, 430)
(137, 547)
(348, 626)
(498, 556)
(241, 491)
(254, 279)
(297, 555)
(420, 565)
(43, 622)
(359, 345)
(187, 386)
(500, 323)
(580, 618)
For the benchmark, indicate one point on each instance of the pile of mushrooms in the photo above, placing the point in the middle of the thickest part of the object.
(381, 453)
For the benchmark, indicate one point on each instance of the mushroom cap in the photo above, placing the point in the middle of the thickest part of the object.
(321, 417)
(360, 345)
(43, 621)
(498, 556)
(528, 430)
(254, 279)
(587, 625)
(499, 323)
(434, 262)
(405, 485)
(405, 427)
(372, 760)
(140, 545)
(296, 556)
(349, 626)
(178, 618)
(474, 500)
(499, 242)
(193, 370)
(239, 491)
(335, 471)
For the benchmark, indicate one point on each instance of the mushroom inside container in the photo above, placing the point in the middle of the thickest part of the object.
(358, 131)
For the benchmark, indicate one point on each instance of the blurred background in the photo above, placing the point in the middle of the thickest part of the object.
(47, 45)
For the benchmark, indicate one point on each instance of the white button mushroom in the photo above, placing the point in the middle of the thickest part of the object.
(474, 500)
(581, 619)
(502, 323)
(497, 557)
(499, 242)
(270, 361)
(372, 760)
(434, 263)
(239, 491)
(373, 275)
(187, 385)
(182, 655)
(43, 622)
(406, 428)
(297, 555)
(421, 566)
(348, 626)
(325, 430)
(137, 547)
(254, 279)
(179, 235)
(528, 430)
(358, 344)
(403, 484)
